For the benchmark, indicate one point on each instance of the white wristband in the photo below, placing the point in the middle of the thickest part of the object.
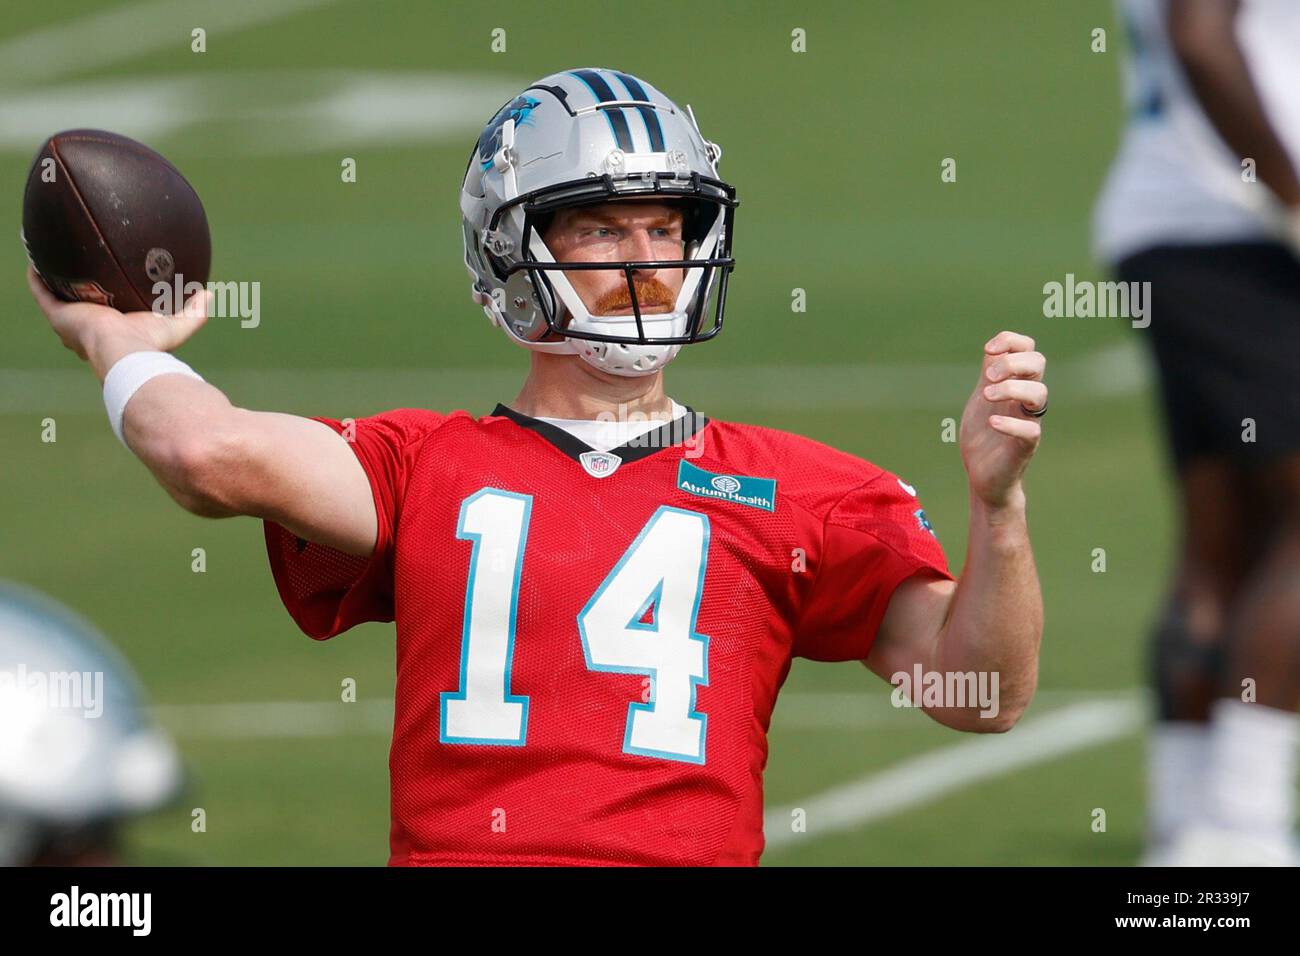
(129, 373)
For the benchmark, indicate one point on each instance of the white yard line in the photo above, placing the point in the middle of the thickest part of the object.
(268, 110)
(130, 30)
(850, 710)
(915, 781)
(803, 710)
(937, 773)
(263, 111)
(276, 719)
(1106, 373)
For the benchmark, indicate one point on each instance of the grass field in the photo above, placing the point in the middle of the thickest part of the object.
(836, 153)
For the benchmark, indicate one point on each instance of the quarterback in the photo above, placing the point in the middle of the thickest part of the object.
(598, 592)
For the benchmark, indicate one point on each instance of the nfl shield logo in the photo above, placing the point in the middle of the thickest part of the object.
(600, 464)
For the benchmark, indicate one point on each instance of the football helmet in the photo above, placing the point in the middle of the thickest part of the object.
(584, 137)
(78, 748)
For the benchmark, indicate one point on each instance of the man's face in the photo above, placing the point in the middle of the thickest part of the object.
(631, 230)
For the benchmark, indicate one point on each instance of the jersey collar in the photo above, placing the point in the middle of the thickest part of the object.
(666, 435)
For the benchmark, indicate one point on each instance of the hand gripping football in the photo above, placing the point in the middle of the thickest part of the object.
(105, 218)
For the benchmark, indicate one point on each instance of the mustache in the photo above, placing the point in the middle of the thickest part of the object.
(650, 294)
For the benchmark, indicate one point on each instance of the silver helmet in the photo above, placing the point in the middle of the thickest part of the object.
(583, 137)
(77, 748)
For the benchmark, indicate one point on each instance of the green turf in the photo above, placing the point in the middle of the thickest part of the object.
(836, 154)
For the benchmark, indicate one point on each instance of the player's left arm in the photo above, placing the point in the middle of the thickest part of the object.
(991, 620)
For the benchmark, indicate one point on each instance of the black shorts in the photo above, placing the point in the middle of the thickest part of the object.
(1225, 331)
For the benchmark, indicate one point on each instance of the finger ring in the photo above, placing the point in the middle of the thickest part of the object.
(1032, 413)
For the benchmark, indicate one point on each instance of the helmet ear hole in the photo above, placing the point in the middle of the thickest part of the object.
(521, 305)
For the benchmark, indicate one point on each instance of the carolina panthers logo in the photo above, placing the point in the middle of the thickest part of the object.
(490, 141)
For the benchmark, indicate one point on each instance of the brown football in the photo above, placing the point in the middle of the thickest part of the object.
(105, 217)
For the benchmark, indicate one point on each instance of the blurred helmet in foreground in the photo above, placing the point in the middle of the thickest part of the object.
(77, 749)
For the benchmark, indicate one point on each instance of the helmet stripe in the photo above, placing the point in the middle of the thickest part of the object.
(648, 113)
(617, 121)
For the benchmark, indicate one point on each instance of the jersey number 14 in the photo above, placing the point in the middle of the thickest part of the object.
(662, 573)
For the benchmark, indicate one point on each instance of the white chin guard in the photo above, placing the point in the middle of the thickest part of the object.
(630, 361)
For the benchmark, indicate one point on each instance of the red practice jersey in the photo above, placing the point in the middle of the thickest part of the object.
(590, 644)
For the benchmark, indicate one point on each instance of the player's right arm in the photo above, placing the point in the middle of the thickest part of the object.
(213, 458)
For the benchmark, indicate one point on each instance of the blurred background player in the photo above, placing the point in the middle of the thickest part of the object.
(1203, 202)
(78, 753)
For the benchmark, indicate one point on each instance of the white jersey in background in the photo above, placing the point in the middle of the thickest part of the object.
(1174, 181)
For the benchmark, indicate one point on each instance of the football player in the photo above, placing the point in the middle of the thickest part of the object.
(598, 591)
(1203, 203)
